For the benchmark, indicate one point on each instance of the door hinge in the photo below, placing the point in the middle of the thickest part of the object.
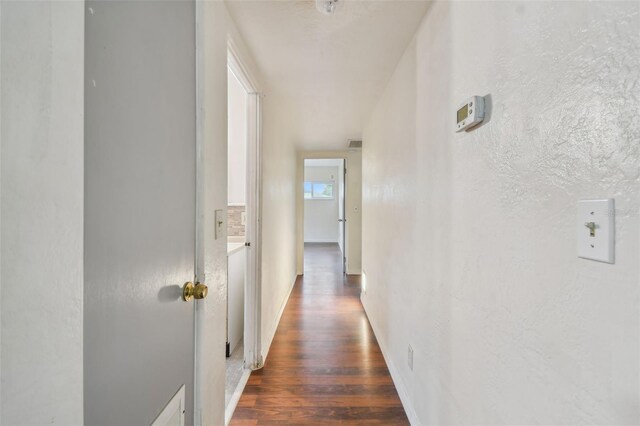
(228, 350)
(247, 244)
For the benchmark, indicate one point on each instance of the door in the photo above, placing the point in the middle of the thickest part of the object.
(140, 189)
(342, 213)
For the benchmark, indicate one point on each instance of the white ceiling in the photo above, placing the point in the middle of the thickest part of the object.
(326, 72)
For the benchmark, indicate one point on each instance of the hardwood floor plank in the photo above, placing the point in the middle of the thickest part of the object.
(327, 401)
(326, 380)
(324, 365)
(316, 389)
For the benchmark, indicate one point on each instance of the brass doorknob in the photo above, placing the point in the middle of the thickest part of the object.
(190, 291)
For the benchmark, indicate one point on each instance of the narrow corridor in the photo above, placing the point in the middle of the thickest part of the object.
(324, 365)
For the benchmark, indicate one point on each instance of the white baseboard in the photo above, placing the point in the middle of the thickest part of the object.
(395, 375)
(265, 349)
(321, 241)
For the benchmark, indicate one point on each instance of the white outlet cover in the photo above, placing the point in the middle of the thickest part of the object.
(601, 246)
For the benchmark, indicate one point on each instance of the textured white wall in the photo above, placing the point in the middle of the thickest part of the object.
(237, 131)
(321, 216)
(507, 324)
(278, 214)
(216, 27)
(42, 45)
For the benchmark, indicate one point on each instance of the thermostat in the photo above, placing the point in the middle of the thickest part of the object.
(470, 113)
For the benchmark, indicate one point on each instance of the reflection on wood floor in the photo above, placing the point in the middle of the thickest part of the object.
(324, 365)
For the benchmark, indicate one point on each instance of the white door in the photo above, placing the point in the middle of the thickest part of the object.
(140, 189)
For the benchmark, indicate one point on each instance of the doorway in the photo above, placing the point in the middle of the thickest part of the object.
(236, 233)
(242, 344)
(325, 206)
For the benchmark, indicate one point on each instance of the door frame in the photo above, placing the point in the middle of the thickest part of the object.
(253, 281)
(311, 155)
(342, 214)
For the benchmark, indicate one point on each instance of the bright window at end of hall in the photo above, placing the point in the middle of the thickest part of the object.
(318, 190)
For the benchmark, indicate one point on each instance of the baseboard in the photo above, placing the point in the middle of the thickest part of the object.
(395, 375)
(312, 241)
(265, 349)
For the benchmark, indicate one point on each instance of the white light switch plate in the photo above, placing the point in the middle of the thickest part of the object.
(599, 246)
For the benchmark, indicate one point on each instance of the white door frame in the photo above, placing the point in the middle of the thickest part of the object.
(308, 155)
(253, 281)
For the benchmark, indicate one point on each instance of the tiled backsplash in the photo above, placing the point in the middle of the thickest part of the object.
(235, 228)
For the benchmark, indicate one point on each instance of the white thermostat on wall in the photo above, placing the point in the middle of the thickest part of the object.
(470, 113)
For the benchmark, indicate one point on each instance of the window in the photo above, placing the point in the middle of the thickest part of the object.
(318, 190)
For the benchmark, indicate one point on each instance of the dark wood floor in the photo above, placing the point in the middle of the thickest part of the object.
(324, 365)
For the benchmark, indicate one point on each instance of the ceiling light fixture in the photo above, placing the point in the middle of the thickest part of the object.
(326, 6)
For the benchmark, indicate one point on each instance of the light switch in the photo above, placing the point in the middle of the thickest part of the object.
(219, 223)
(595, 229)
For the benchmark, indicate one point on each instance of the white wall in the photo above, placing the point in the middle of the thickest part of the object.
(321, 216)
(42, 45)
(216, 27)
(278, 213)
(470, 239)
(237, 153)
(277, 192)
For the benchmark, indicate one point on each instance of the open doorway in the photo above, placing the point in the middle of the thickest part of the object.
(236, 233)
(242, 225)
(325, 206)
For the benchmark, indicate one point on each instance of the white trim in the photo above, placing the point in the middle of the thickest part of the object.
(239, 68)
(395, 375)
(253, 283)
(235, 398)
(324, 241)
(275, 328)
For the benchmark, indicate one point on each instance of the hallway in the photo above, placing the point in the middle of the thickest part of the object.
(324, 365)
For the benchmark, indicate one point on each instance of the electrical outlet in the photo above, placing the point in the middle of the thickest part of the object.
(410, 358)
